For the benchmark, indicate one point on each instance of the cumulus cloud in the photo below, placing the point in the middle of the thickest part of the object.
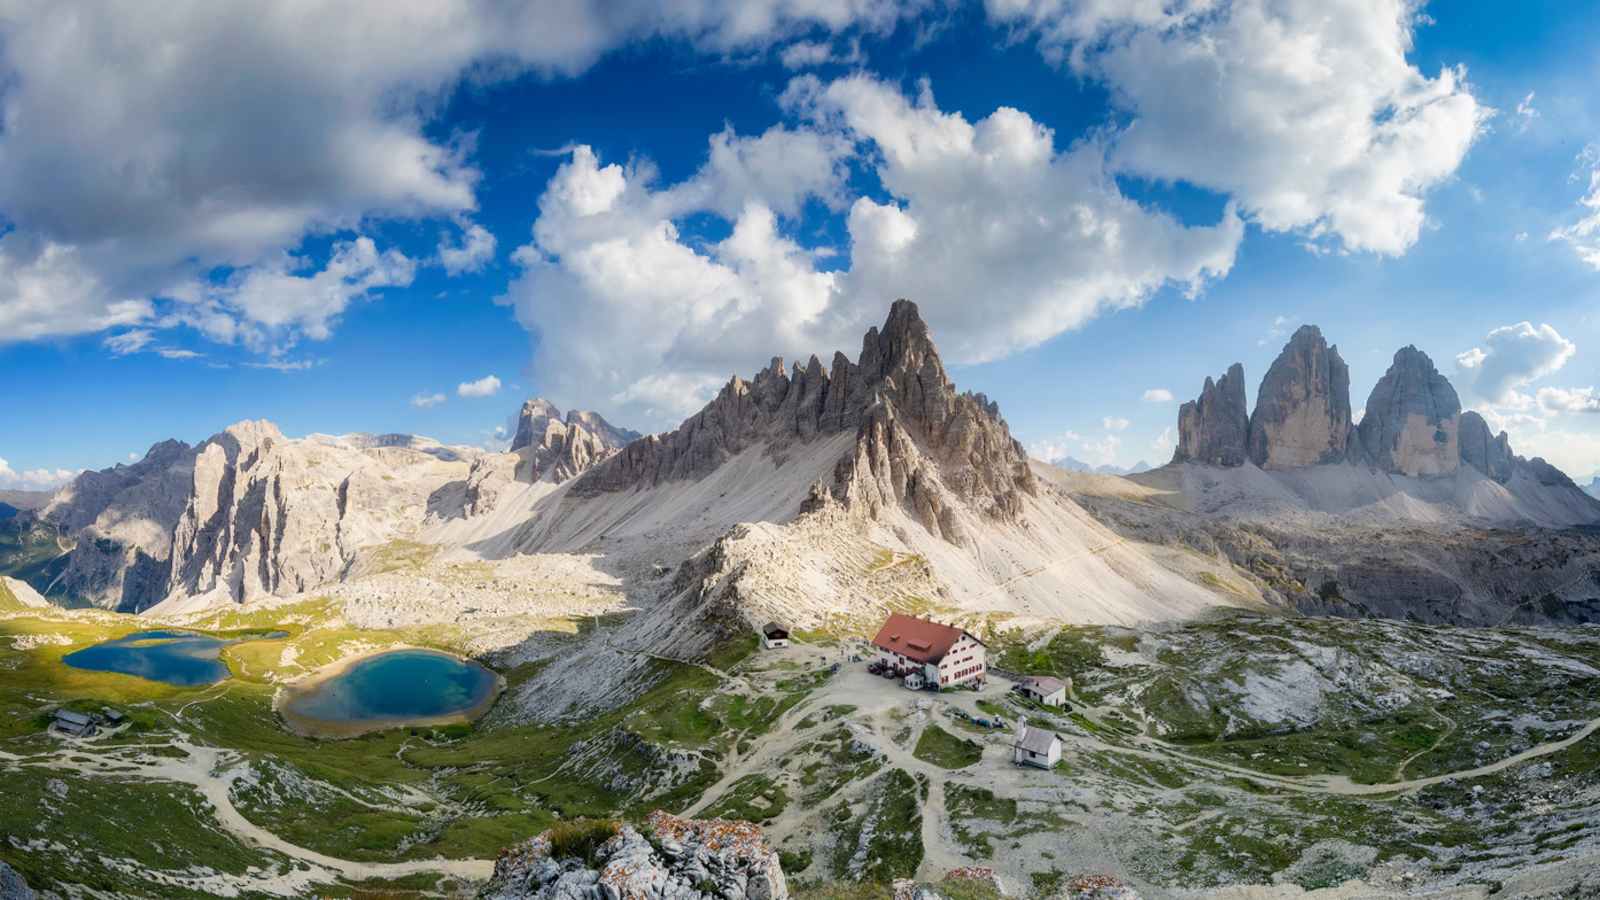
(34, 479)
(487, 386)
(1515, 356)
(1584, 234)
(1157, 395)
(471, 253)
(992, 209)
(145, 145)
(988, 209)
(427, 401)
(1569, 400)
(1306, 112)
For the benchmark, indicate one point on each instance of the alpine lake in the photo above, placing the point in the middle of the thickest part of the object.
(389, 689)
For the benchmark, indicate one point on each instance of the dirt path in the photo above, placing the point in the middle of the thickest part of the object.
(213, 772)
(1449, 729)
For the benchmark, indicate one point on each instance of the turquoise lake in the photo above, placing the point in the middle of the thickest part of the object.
(394, 688)
(175, 657)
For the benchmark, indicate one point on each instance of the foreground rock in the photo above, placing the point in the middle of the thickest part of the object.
(672, 859)
(12, 887)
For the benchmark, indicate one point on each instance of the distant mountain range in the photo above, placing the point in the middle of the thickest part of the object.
(1594, 487)
(1077, 465)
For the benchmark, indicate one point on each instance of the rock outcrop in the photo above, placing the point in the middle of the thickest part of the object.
(1412, 419)
(919, 442)
(1490, 455)
(12, 885)
(120, 522)
(680, 859)
(1302, 414)
(555, 449)
(1214, 428)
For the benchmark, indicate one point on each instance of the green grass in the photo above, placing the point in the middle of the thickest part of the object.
(753, 798)
(893, 848)
(582, 839)
(944, 749)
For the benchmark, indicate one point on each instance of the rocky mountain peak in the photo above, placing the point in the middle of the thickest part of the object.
(1213, 429)
(1413, 418)
(556, 447)
(919, 441)
(1302, 414)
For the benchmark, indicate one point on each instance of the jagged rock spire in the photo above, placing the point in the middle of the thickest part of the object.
(919, 442)
(1413, 418)
(1302, 414)
(1213, 428)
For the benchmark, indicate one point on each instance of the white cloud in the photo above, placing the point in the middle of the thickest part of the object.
(1276, 331)
(1306, 112)
(1056, 449)
(810, 54)
(1584, 234)
(1526, 113)
(278, 364)
(487, 386)
(985, 209)
(147, 145)
(34, 479)
(128, 342)
(1157, 395)
(1114, 423)
(1165, 442)
(1569, 400)
(177, 353)
(474, 250)
(1102, 451)
(1516, 356)
(428, 401)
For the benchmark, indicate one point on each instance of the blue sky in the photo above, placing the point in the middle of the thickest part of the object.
(294, 221)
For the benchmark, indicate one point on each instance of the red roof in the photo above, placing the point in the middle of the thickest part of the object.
(917, 639)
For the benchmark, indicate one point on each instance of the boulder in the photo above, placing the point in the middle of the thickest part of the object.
(1412, 422)
(1213, 429)
(1302, 414)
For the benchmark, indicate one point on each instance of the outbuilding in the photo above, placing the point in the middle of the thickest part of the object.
(1045, 691)
(74, 723)
(1035, 747)
(774, 636)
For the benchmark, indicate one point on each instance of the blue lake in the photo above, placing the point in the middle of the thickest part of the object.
(175, 657)
(400, 687)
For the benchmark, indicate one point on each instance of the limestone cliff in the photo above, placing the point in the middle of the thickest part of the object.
(1412, 419)
(1302, 414)
(1214, 428)
(119, 521)
(919, 442)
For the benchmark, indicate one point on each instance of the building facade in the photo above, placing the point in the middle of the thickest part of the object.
(945, 656)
